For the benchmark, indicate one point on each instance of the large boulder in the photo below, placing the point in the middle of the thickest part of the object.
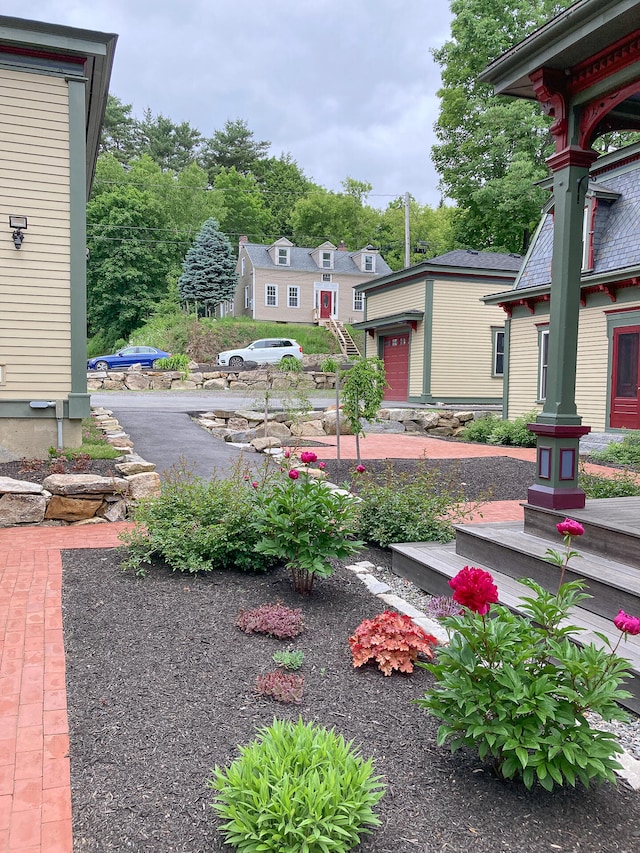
(72, 509)
(22, 509)
(85, 484)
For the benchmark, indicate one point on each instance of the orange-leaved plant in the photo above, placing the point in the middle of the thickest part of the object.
(393, 640)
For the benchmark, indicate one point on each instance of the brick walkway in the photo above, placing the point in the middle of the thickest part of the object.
(35, 791)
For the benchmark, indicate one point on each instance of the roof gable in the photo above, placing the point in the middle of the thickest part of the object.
(301, 260)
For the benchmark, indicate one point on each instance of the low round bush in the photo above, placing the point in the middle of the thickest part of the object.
(297, 788)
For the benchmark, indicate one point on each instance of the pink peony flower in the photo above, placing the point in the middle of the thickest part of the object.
(627, 624)
(569, 527)
(474, 588)
(287, 454)
(360, 469)
(322, 465)
(293, 474)
(254, 484)
(308, 456)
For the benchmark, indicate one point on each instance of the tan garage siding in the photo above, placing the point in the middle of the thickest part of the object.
(462, 346)
(416, 362)
(395, 300)
(523, 365)
(592, 368)
(35, 334)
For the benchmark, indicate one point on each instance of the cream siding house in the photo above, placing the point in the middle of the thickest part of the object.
(608, 356)
(428, 324)
(293, 284)
(53, 91)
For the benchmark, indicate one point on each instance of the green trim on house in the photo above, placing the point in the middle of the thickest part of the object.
(456, 401)
(505, 377)
(428, 338)
(78, 238)
(382, 323)
(22, 409)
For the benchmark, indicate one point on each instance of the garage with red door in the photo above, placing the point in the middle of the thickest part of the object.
(395, 354)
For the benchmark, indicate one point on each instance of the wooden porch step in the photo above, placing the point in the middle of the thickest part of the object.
(611, 527)
(613, 585)
(430, 566)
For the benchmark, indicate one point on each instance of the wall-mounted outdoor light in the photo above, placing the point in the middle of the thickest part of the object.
(19, 224)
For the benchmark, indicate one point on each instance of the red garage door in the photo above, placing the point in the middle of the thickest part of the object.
(395, 354)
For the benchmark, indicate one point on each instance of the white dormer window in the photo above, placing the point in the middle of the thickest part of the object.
(283, 257)
(368, 263)
(327, 260)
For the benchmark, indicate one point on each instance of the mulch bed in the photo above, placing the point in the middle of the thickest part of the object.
(161, 689)
(36, 471)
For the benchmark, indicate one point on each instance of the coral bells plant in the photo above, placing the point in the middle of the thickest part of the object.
(281, 686)
(273, 619)
(518, 689)
(391, 639)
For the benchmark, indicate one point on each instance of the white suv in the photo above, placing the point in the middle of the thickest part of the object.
(266, 351)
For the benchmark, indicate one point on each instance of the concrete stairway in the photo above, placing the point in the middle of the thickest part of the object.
(609, 564)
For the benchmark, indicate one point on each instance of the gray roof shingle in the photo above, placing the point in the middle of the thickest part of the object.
(616, 239)
(479, 260)
(301, 260)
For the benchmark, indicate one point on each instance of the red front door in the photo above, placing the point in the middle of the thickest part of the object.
(395, 354)
(625, 393)
(325, 304)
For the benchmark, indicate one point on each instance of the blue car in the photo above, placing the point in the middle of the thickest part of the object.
(126, 357)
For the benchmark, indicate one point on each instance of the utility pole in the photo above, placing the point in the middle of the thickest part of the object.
(407, 235)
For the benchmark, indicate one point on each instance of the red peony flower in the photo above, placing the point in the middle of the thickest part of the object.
(474, 588)
(627, 624)
(308, 456)
(360, 469)
(569, 527)
(287, 454)
(254, 484)
(293, 474)
(322, 465)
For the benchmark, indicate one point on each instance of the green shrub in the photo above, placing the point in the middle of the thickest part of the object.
(290, 365)
(405, 508)
(304, 524)
(480, 429)
(196, 525)
(176, 362)
(625, 452)
(517, 687)
(297, 788)
(329, 365)
(514, 433)
(623, 485)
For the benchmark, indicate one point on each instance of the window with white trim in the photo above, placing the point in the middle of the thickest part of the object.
(242, 266)
(246, 297)
(293, 297)
(271, 295)
(368, 263)
(498, 353)
(543, 362)
(358, 301)
(283, 257)
(327, 260)
(326, 276)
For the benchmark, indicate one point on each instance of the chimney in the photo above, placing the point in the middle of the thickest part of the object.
(342, 247)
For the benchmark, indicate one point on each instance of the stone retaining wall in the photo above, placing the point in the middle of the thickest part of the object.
(214, 380)
(241, 426)
(81, 498)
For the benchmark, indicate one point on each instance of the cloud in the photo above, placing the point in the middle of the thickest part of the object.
(347, 88)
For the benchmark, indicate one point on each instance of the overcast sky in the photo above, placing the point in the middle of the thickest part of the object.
(347, 87)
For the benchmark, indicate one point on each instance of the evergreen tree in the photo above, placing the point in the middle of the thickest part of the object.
(209, 268)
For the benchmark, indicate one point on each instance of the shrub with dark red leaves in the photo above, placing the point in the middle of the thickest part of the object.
(273, 619)
(281, 686)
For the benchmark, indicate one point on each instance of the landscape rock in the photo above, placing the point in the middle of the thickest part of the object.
(262, 443)
(85, 484)
(143, 485)
(10, 486)
(22, 509)
(72, 509)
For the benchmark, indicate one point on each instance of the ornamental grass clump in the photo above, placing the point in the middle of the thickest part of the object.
(297, 788)
(518, 689)
(392, 640)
